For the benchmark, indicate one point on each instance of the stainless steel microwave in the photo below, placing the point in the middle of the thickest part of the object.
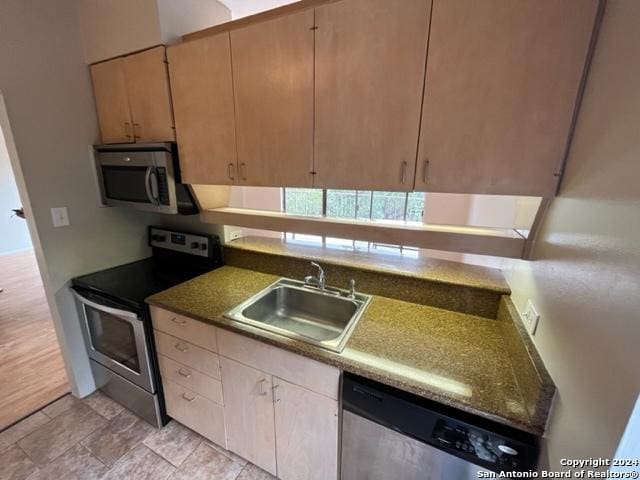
(143, 176)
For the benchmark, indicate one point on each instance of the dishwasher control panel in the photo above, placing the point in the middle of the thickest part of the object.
(470, 442)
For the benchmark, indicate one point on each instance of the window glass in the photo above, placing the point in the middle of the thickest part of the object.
(341, 204)
(388, 205)
(303, 201)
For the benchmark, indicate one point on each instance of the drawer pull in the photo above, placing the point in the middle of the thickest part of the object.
(181, 348)
(178, 321)
(183, 373)
(275, 396)
(188, 398)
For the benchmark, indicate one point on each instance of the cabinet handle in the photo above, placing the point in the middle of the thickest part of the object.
(425, 171)
(230, 171)
(127, 126)
(183, 373)
(275, 396)
(181, 348)
(187, 398)
(134, 130)
(243, 171)
(403, 174)
(179, 321)
(262, 392)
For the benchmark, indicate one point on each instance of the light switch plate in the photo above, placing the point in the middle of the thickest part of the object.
(60, 216)
(530, 318)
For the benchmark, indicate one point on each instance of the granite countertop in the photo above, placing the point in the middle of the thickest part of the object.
(453, 358)
(421, 266)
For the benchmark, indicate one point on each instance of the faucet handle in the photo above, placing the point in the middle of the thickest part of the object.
(352, 288)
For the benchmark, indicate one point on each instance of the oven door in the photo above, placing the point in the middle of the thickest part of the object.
(143, 180)
(116, 339)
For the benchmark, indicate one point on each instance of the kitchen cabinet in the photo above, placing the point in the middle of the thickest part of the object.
(502, 84)
(249, 414)
(202, 90)
(133, 99)
(306, 426)
(370, 61)
(112, 103)
(273, 89)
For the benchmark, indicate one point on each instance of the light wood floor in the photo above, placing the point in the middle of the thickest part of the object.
(31, 370)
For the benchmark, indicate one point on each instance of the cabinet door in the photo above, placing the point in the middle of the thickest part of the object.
(273, 85)
(202, 92)
(112, 104)
(306, 433)
(149, 97)
(501, 87)
(370, 60)
(249, 413)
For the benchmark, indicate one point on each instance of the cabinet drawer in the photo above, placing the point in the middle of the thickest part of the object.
(315, 376)
(190, 378)
(188, 354)
(185, 328)
(195, 411)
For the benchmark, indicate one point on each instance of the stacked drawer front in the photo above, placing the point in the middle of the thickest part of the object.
(190, 369)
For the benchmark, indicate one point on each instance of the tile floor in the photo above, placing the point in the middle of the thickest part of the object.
(95, 438)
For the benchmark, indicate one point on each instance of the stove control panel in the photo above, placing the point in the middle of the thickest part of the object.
(180, 242)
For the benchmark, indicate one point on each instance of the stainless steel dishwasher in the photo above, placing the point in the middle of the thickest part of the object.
(390, 434)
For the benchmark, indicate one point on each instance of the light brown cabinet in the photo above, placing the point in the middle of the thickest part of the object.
(306, 426)
(249, 414)
(501, 88)
(133, 99)
(202, 88)
(370, 60)
(273, 88)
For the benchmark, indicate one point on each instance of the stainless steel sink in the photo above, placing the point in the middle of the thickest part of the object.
(323, 317)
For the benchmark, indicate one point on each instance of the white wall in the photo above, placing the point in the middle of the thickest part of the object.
(585, 279)
(47, 90)
(115, 27)
(15, 235)
(244, 8)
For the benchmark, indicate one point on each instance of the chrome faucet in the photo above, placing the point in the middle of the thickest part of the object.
(318, 281)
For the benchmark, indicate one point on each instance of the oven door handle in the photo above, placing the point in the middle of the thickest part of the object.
(148, 186)
(113, 311)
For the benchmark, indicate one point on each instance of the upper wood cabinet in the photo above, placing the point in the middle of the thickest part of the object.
(202, 89)
(501, 88)
(133, 99)
(273, 87)
(370, 60)
(112, 102)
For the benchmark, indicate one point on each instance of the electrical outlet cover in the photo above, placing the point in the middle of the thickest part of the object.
(530, 317)
(60, 217)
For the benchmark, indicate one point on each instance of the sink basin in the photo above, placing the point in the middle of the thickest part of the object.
(294, 309)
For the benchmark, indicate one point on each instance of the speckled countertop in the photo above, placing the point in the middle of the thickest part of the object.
(453, 358)
(421, 266)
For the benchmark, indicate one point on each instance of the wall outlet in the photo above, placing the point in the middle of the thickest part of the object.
(235, 234)
(60, 217)
(530, 318)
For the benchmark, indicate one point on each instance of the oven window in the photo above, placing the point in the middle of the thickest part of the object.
(125, 183)
(113, 337)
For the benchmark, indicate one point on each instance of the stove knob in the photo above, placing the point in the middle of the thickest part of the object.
(203, 246)
(158, 238)
(195, 244)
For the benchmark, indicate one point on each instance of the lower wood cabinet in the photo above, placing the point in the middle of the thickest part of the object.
(249, 414)
(195, 411)
(272, 407)
(306, 426)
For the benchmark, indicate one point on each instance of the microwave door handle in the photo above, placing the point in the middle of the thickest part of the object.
(148, 187)
(113, 311)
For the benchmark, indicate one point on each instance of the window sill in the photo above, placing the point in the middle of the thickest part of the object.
(463, 239)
